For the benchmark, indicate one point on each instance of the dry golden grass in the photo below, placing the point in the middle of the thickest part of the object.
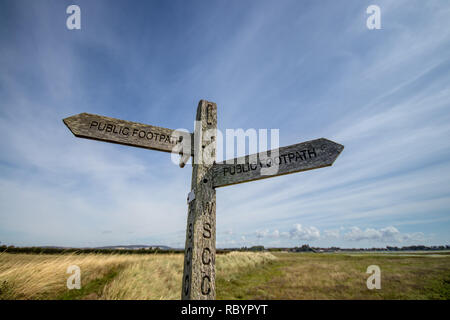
(157, 276)
(28, 276)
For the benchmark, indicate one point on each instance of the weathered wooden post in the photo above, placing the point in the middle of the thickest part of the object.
(199, 273)
(200, 249)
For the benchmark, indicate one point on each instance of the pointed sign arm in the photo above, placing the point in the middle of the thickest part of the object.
(303, 156)
(91, 126)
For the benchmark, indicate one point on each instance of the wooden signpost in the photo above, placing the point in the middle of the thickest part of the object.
(200, 248)
(198, 281)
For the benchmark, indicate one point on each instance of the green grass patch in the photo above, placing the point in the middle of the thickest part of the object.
(247, 283)
(91, 290)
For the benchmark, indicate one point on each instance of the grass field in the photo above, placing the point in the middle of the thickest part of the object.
(240, 275)
(342, 276)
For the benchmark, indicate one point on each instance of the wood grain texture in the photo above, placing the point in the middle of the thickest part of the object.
(200, 248)
(91, 126)
(303, 156)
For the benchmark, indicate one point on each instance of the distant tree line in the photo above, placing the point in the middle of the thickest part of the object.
(54, 250)
(418, 248)
(303, 248)
(307, 248)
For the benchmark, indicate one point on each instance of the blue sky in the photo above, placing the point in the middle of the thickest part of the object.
(308, 68)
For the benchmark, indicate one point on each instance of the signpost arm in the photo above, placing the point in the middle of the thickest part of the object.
(200, 247)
